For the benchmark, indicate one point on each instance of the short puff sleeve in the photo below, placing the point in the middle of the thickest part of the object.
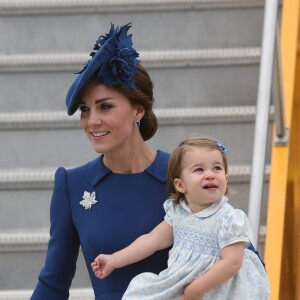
(234, 229)
(169, 208)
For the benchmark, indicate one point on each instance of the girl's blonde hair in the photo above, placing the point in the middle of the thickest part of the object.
(175, 162)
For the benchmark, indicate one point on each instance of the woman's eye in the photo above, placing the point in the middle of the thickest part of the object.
(83, 108)
(105, 106)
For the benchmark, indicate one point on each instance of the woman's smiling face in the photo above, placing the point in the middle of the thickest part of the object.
(107, 117)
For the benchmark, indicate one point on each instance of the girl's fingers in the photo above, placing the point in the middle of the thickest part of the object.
(99, 274)
(95, 267)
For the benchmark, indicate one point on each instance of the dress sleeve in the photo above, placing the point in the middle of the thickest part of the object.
(170, 210)
(234, 229)
(60, 264)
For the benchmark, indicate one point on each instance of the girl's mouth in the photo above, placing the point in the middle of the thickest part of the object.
(210, 186)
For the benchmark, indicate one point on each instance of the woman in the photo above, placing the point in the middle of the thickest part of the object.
(107, 203)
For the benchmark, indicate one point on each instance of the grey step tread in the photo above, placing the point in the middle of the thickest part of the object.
(21, 240)
(29, 240)
(166, 116)
(60, 143)
(150, 59)
(21, 212)
(227, 85)
(24, 203)
(20, 270)
(164, 29)
(33, 178)
(60, 134)
(75, 294)
(32, 7)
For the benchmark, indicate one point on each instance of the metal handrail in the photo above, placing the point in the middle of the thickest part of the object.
(281, 138)
(262, 119)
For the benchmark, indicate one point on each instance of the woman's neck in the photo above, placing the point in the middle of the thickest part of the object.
(133, 160)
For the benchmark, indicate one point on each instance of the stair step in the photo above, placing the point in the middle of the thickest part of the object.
(41, 7)
(16, 179)
(23, 257)
(166, 116)
(60, 143)
(29, 191)
(34, 240)
(63, 134)
(191, 28)
(234, 82)
(24, 241)
(75, 294)
(150, 59)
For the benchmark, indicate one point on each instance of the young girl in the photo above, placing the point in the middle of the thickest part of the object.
(209, 258)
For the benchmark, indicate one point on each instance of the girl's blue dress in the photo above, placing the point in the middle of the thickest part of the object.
(198, 239)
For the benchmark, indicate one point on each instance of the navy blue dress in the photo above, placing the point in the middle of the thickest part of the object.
(128, 205)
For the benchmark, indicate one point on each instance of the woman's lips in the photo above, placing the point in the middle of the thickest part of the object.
(99, 134)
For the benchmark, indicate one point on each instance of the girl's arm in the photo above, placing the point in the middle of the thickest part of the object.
(229, 264)
(159, 238)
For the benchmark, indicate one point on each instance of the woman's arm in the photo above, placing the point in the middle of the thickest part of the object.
(60, 264)
(229, 264)
(159, 238)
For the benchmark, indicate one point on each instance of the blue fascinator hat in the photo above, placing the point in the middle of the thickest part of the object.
(114, 62)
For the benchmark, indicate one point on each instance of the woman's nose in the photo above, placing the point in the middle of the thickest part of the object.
(94, 118)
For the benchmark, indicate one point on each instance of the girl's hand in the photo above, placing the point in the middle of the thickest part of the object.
(103, 265)
(189, 293)
(189, 298)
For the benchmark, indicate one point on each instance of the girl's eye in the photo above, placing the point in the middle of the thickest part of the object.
(218, 168)
(199, 170)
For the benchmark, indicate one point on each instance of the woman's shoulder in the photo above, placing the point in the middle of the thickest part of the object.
(163, 155)
(92, 170)
(91, 164)
(159, 167)
(161, 159)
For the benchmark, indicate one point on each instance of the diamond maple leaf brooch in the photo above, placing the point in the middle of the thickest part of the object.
(88, 200)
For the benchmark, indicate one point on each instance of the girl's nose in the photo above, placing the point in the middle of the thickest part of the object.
(209, 174)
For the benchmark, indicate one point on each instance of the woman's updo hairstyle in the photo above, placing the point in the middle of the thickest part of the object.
(143, 95)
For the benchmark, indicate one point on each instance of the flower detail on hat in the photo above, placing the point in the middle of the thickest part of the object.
(221, 147)
(88, 200)
(117, 60)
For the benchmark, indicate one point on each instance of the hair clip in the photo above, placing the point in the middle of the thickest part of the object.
(221, 147)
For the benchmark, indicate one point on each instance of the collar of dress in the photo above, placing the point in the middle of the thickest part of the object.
(95, 170)
(205, 212)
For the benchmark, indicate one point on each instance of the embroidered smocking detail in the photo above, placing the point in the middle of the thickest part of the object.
(204, 243)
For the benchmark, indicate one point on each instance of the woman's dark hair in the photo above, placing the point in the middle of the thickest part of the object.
(143, 95)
